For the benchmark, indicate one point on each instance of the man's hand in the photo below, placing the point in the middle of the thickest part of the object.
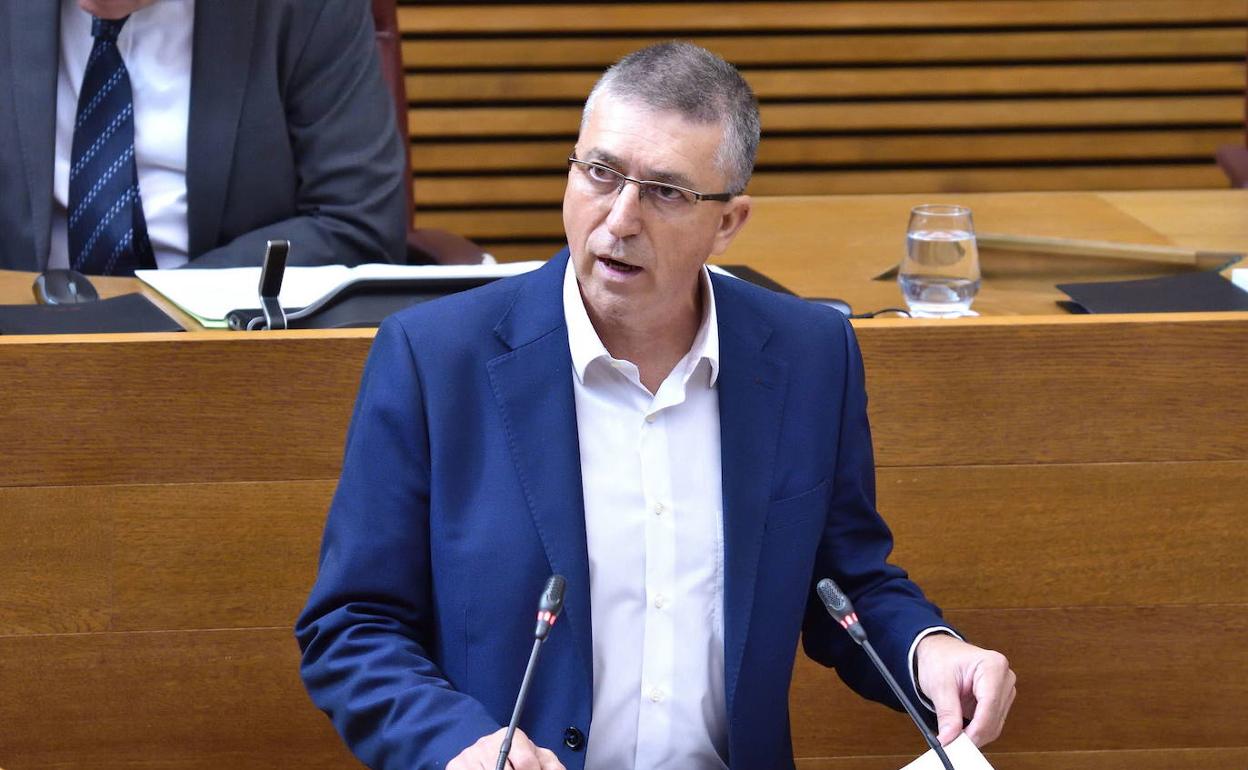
(524, 755)
(963, 680)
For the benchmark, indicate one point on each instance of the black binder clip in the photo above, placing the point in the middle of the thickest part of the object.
(274, 318)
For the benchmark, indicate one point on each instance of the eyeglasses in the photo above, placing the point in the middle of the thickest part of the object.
(604, 180)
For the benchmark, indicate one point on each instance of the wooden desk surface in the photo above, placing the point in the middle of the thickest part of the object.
(833, 245)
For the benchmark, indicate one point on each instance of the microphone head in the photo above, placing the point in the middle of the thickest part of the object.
(840, 608)
(833, 598)
(552, 595)
(549, 605)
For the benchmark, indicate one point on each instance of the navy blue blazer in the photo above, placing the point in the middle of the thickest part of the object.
(461, 493)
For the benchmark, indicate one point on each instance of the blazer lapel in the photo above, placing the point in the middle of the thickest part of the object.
(532, 384)
(220, 64)
(34, 39)
(751, 398)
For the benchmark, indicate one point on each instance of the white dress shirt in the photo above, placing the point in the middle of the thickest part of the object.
(155, 44)
(652, 481)
(650, 467)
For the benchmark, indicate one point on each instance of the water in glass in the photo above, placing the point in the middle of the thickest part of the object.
(940, 274)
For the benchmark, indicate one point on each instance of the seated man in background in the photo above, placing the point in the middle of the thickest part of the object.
(161, 133)
(690, 451)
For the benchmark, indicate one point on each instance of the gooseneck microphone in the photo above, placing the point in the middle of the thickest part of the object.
(548, 608)
(842, 611)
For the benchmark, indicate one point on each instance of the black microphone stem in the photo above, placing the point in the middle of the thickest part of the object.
(927, 734)
(515, 714)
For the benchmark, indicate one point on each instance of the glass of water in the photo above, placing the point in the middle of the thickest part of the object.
(940, 275)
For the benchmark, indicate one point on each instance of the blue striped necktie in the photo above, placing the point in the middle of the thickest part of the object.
(107, 231)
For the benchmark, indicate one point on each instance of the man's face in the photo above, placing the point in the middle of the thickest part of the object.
(636, 260)
(112, 9)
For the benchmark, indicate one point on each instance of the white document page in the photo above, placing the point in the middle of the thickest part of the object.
(962, 753)
(209, 295)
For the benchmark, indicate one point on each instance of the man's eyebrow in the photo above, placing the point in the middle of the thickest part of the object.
(599, 155)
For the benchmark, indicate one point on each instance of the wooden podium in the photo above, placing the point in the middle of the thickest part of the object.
(1070, 489)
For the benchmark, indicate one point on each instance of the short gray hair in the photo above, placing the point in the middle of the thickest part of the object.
(698, 85)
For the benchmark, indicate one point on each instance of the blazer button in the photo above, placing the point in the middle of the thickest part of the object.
(573, 739)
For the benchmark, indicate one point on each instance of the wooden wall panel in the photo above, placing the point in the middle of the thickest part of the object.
(152, 557)
(1096, 678)
(632, 17)
(932, 95)
(764, 48)
(207, 406)
(1051, 396)
(204, 698)
(232, 698)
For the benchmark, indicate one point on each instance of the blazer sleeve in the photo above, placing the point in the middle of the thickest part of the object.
(368, 628)
(350, 204)
(854, 551)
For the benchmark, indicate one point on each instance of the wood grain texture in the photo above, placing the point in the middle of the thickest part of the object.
(828, 83)
(210, 699)
(184, 556)
(164, 408)
(831, 246)
(821, 152)
(1046, 536)
(1089, 679)
(435, 53)
(1094, 679)
(851, 95)
(678, 17)
(158, 556)
(546, 189)
(918, 116)
(1136, 390)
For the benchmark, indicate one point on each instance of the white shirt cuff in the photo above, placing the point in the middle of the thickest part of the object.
(914, 668)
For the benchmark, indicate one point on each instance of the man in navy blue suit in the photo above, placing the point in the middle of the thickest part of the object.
(691, 452)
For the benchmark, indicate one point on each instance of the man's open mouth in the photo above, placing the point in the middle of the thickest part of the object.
(617, 266)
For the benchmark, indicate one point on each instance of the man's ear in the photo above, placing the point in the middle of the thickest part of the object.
(736, 213)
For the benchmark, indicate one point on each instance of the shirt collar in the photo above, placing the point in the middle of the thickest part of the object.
(586, 347)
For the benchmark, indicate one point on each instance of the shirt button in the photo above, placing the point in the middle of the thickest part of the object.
(651, 417)
(656, 695)
(660, 602)
(658, 509)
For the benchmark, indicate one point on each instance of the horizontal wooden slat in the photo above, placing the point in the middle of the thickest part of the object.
(202, 407)
(1123, 759)
(547, 189)
(1167, 392)
(469, 18)
(896, 82)
(444, 157)
(435, 53)
(158, 556)
(205, 699)
(1043, 536)
(546, 222)
(435, 122)
(1088, 679)
(183, 556)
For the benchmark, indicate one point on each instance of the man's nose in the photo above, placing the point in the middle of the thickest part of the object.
(625, 216)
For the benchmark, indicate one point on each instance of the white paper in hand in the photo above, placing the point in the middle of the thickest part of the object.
(962, 753)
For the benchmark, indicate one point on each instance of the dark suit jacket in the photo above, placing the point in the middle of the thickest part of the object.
(291, 134)
(461, 492)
